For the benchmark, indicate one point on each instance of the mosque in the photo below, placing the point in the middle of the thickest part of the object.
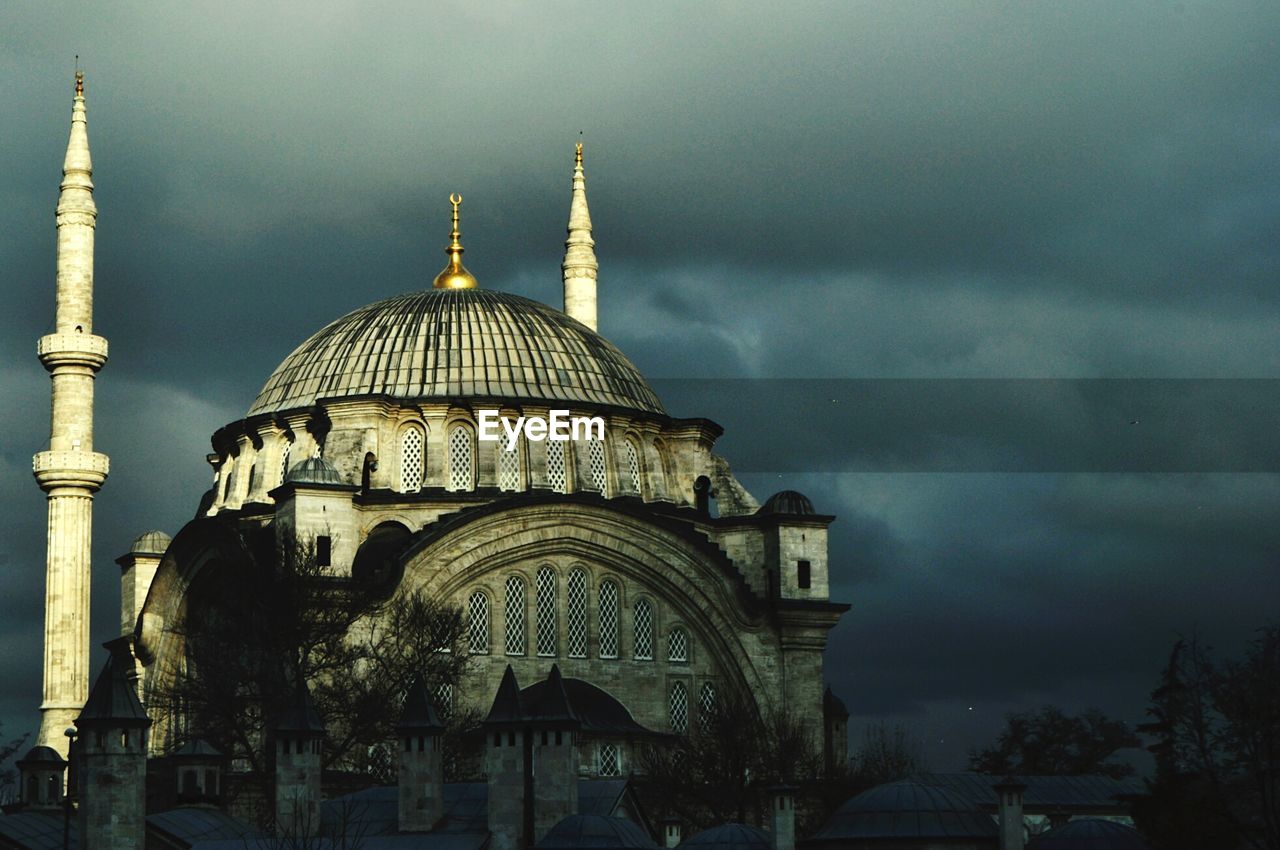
(614, 587)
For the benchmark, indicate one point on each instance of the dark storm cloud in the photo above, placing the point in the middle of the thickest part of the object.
(866, 190)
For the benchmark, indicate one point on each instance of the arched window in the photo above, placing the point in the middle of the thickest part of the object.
(595, 465)
(557, 473)
(706, 706)
(508, 465)
(608, 619)
(515, 616)
(632, 457)
(546, 608)
(610, 761)
(678, 645)
(679, 705)
(577, 614)
(460, 467)
(228, 480)
(643, 630)
(253, 477)
(411, 460)
(443, 696)
(478, 623)
(284, 459)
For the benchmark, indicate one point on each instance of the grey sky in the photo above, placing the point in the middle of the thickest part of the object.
(847, 190)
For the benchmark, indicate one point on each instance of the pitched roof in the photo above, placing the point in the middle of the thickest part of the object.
(113, 701)
(301, 716)
(507, 708)
(554, 707)
(419, 712)
(1082, 793)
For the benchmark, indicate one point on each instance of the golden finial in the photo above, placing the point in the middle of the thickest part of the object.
(79, 82)
(455, 275)
(577, 156)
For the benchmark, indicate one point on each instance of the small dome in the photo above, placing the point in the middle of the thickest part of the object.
(730, 836)
(1089, 834)
(151, 543)
(787, 502)
(41, 755)
(899, 810)
(595, 832)
(313, 470)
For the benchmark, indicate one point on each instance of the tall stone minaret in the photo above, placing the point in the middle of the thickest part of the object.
(580, 266)
(70, 472)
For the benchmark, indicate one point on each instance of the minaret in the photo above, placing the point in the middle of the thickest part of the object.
(580, 264)
(70, 472)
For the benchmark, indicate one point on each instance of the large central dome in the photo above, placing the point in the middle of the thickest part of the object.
(458, 343)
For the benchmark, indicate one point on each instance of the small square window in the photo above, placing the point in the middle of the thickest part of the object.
(802, 574)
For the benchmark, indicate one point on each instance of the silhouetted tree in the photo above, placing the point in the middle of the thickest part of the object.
(1216, 740)
(1050, 742)
(7, 752)
(886, 754)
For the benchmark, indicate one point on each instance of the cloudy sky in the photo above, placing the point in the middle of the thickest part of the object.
(844, 193)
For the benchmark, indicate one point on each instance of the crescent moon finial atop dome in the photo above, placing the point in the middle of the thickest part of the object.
(455, 275)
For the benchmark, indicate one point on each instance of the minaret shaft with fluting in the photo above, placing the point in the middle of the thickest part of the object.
(580, 267)
(70, 472)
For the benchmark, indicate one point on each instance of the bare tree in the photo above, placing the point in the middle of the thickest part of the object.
(1051, 742)
(887, 753)
(8, 751)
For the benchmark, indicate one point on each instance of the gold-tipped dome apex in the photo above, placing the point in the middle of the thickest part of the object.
(455, 275)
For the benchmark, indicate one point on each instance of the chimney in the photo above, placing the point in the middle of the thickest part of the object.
(783, 816)
(1012, 836)
(299, 734)
(671, 833)
(507, 753)
(421, 765)
(554, 726)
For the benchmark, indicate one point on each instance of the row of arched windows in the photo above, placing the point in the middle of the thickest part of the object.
(546, 632)
(678, 706)
(460, 472)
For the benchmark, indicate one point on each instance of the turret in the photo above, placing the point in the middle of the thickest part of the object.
(198, 771)
(580, 267)
(137, 568)
(421, 763)
(70, 472)
(112, 749)
(298, 739)
(508, 753)
(40, 778)
(1012, 831)
(555, 755)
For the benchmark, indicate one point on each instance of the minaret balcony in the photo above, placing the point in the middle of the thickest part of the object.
(73, 349)
(80, 469)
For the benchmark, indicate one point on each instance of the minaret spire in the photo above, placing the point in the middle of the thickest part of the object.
(580, 266)
(70, 472)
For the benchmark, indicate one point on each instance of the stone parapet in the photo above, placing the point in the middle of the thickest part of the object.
(70, 469)
(73, 349)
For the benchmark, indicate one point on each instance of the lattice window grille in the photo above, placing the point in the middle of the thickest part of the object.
(381, 765)
(679, 704)
(557, 475)
(411, 461)
(706, 706)
(478, 624)
(577, 614)
(443, 696)
(633, 466)
(508, 465)
(644, 630)
(284, 460)
(460, 459)
(610, 761)
(546, 605)
(595, 464)
(608, 620)
(678, 646)
(515, 616)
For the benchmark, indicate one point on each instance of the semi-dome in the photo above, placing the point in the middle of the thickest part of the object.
(1090, 834)
(457, 343)
(906, 810)
(787, 502)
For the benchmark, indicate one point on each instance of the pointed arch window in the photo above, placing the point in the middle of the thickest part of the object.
(595, 465)
(610, 760)
(508, 465)
(678, 645)
(608, 619)
(515, 636)
(461, 474)
(643, 644)
(443, 696)
(632, 457)
(478, 623)
(706, 706)
(546, 608)
(577, 608)
(557, 471)
(679, 708)
(411, 457)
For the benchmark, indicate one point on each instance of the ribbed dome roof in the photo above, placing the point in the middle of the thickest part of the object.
(595, 832)
(444, 343)
(787, 502)
(1090, 834)
(313, 470)
(730, 836)
(150, 543)
(906, 810)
